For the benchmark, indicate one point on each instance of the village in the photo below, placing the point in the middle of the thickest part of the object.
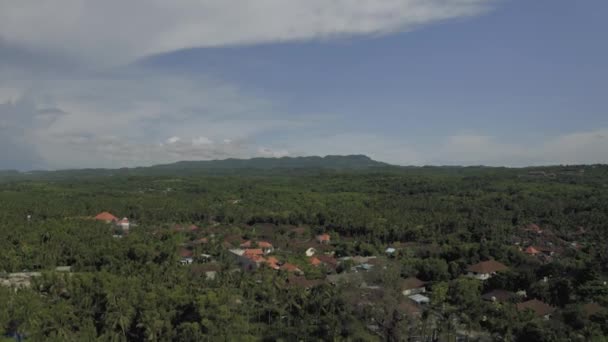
(309, 257)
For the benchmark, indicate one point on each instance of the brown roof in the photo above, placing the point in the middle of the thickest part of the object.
(540, 308)
(106, 216)
(409, 308)
(489, 266)
(328, 260)
(498, 295)
(185, 253)
(303, 282)
(591, 309)
(412, 283)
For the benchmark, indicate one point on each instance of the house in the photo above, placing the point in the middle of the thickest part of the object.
(187, 256)
(531, 251)
(124, 223)
(485, 270)
(499, 296)
(310, 252)
(249, 259)
(291, 268)
(265, 246)
(323, 238)
(540, 309)
(412, 286)
(273, 263)
(106, 217)
(419, 299)
(315, 261)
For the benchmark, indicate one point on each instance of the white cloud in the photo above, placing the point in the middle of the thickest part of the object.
(272, 153)
(173, 140)
(117, 31)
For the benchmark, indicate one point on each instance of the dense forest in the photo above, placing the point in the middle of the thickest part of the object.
(175, 272)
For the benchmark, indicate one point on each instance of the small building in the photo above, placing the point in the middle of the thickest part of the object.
(291, 268)
(419, 299)
(485, 270)
(273, 263)
(540, 309)
(124, 223)
(314, 261)
(323, 238)
(187, 256)
(390, 251)
(265, 246)
(412, 286)
(106, 217)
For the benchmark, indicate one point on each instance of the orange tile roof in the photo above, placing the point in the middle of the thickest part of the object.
(106, 216)
(273, 262)
(314, 261)
(323, 237)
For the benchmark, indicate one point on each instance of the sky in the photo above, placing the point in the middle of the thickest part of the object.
(87, 83)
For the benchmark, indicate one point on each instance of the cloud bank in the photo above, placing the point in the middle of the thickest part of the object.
(116, 31)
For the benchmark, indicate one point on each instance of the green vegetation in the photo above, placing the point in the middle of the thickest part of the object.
(132, 286)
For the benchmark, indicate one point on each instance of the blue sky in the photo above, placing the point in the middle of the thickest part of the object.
(439, 82)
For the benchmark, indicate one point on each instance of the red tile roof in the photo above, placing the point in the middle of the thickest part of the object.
(489, 266)
(531, 250)
(106, 216)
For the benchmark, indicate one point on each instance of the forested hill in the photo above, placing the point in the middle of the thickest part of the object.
(222, 167)
(314, 162)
